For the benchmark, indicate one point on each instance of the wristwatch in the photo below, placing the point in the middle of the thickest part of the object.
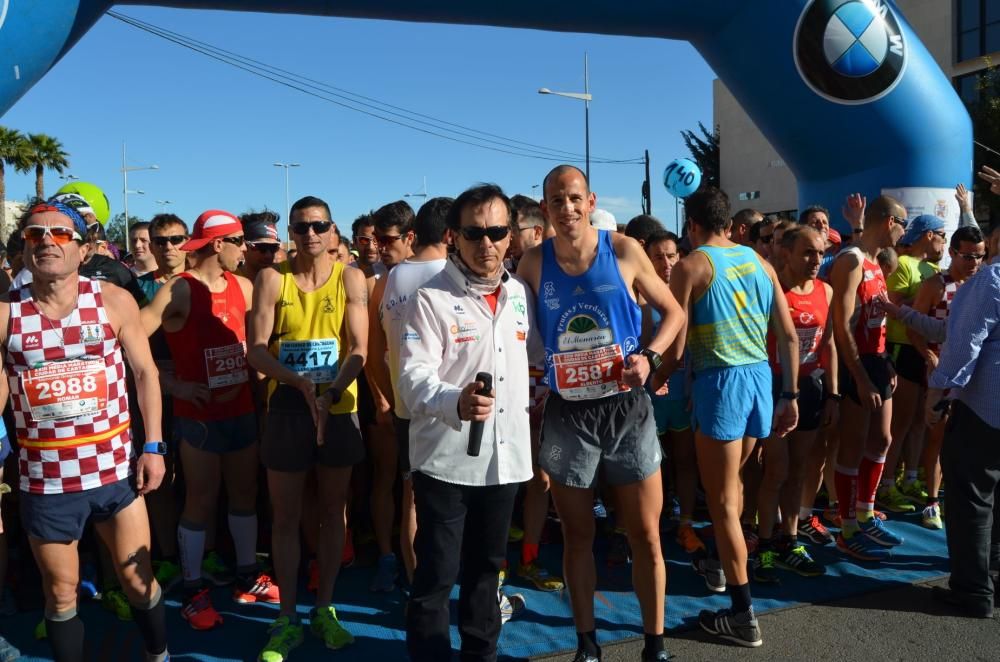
(789, 395)
(155, 447)
(835, 396)
(655, 361)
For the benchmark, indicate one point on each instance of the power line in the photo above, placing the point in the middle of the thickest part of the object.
(282, 77)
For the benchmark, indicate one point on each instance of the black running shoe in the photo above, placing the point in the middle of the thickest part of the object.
(711, 570)
(739, 628)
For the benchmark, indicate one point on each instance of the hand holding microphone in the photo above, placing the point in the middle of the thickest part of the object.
(476, 404)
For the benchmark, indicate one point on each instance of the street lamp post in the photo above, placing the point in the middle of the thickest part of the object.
(422, 194)
(586, 98)
(288, 204)
(126, 169)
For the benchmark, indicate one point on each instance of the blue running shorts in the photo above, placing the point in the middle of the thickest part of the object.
(733, 402)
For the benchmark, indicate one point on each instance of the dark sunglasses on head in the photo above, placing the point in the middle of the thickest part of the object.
(318, 227)
(494, 232)
(60, 235)
(175, 239)
(235, 241)
(263, 247)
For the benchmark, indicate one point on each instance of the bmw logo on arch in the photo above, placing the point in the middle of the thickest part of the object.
(849, 51)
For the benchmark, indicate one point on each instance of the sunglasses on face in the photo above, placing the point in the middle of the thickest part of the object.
(362, 240)
(386, 240)
(318, 227)
(263, 247)
(174, 239)
(942, 235)
(235, 241)
(972, 257)
(60, 235)
(899, 222)
(494, 232)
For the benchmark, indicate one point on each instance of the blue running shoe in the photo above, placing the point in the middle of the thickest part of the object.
(875, 529)
(386, 574)
(862, 548)
(600, 512)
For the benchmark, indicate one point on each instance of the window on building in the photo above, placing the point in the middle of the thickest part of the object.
(968, 88)
(978, 28)
(749, 195)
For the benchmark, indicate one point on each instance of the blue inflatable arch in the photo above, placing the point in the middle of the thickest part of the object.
(843, 89)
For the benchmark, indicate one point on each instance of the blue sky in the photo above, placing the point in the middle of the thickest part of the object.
(215, 131)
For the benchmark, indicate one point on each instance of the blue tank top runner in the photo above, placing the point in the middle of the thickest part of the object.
(590, 323)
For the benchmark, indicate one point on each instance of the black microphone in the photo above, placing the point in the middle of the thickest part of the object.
(476, 428)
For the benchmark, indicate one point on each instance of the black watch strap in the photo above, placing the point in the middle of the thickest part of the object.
(789, 395)
(655, 360)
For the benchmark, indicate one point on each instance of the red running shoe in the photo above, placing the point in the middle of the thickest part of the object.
(199, 612)
(260, 589)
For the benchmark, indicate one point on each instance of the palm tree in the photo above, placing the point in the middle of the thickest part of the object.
(13, 153)
(45, 153)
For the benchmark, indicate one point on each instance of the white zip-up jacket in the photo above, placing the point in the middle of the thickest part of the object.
(450, 334)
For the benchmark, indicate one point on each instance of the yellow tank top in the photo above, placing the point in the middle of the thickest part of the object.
(307, 334)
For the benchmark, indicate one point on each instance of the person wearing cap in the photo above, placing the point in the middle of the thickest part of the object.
(309, 337)
(261, 234)
(203, 313)
(866, 375)
(65, 339)
(604, 220)
(920, 252)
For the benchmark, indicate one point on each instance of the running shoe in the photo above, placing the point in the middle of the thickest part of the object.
(658, 656)
(931, 517)
(540, 577)
(386, 573)
(798, 560)
(877, 531)
(285, 636)
(763, 567)
(688, 539)
(199, 612)
(814, 531)
(893, 500)
(256, 589)
(582, 656)
(619, 552)
(831, 514)
(324, 624)
(347, 557)
(7, 651)
(168, 575)
(514, 534)
(312, 571)
(862, 548)
(511, 606)
(600, 512)
(914, 490)
(40, 631)
(114, 600)
(711, 570)
(739, 628)
(215, 570)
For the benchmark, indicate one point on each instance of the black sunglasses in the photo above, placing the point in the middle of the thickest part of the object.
(494, 232)
(973, 257)
(318, 227)
(263, 247)
(235, 241)
(175, 239)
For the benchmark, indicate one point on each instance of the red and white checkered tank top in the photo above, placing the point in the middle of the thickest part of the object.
(940, 311)
(67, 386)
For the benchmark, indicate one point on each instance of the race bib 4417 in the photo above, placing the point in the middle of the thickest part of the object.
(316, 360)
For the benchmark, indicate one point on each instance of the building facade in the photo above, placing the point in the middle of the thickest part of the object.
(960, 35)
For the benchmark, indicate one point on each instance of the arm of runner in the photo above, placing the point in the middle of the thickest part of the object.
(831, 385)
(123, 313)
(152, 315)
(685, 274)
(265, 295)
(786, 412)
(356, 335)
(927, 296)
(376, 369)
(530, 267)
(845, 278)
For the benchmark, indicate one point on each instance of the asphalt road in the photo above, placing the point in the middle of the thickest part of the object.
(902, 623)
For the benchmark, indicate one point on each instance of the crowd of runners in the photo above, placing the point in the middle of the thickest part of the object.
(227, 410)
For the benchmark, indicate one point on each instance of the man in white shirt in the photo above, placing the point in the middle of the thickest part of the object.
(387, 313)
(472, 317)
